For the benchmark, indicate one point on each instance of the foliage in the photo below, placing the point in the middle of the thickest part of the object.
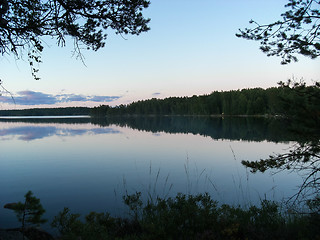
(134, 202)
(65, 221)
(24, 23)
(255, 101)
(190, 217)
(298, 32)
(182, 217)
(95, 226)
(66, 111)
(30, 212)
(303, 111)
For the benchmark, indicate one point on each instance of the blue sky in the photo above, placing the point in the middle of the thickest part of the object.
(190, 49)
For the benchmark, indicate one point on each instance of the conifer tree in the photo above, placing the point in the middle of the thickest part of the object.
(29, 212)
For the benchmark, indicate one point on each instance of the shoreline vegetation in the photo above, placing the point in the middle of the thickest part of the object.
(181, 217)
(25, 113)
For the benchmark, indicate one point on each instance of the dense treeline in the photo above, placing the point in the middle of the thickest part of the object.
(67, 111)
(256, 101)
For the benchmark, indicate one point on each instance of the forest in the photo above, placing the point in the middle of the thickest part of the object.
(256, 101)
(282, 100)
(67, 111)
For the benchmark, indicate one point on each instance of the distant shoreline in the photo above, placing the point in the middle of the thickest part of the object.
(136, 115)
(44, 117)
(190, 115)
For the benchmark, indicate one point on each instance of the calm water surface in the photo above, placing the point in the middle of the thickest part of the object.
(88, 165)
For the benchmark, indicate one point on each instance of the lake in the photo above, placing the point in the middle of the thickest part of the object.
(89, 164)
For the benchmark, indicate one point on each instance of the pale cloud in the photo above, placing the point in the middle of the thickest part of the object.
(29, 98)
(72, 98)
(103, 98)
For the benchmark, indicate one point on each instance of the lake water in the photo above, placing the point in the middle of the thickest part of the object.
(88, 165)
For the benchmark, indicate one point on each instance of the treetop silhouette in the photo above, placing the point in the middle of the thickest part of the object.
(298, 32)
(24, 23)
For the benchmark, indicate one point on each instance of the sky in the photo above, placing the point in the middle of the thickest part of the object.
(191, 49)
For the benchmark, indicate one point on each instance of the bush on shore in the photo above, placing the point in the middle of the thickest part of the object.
(189, 217)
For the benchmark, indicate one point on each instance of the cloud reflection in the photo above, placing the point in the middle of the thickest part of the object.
(29, 133)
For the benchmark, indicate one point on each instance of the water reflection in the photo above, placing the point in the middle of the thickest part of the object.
(233, 128)
(240, 128)
(88, 164)
(27, 132)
